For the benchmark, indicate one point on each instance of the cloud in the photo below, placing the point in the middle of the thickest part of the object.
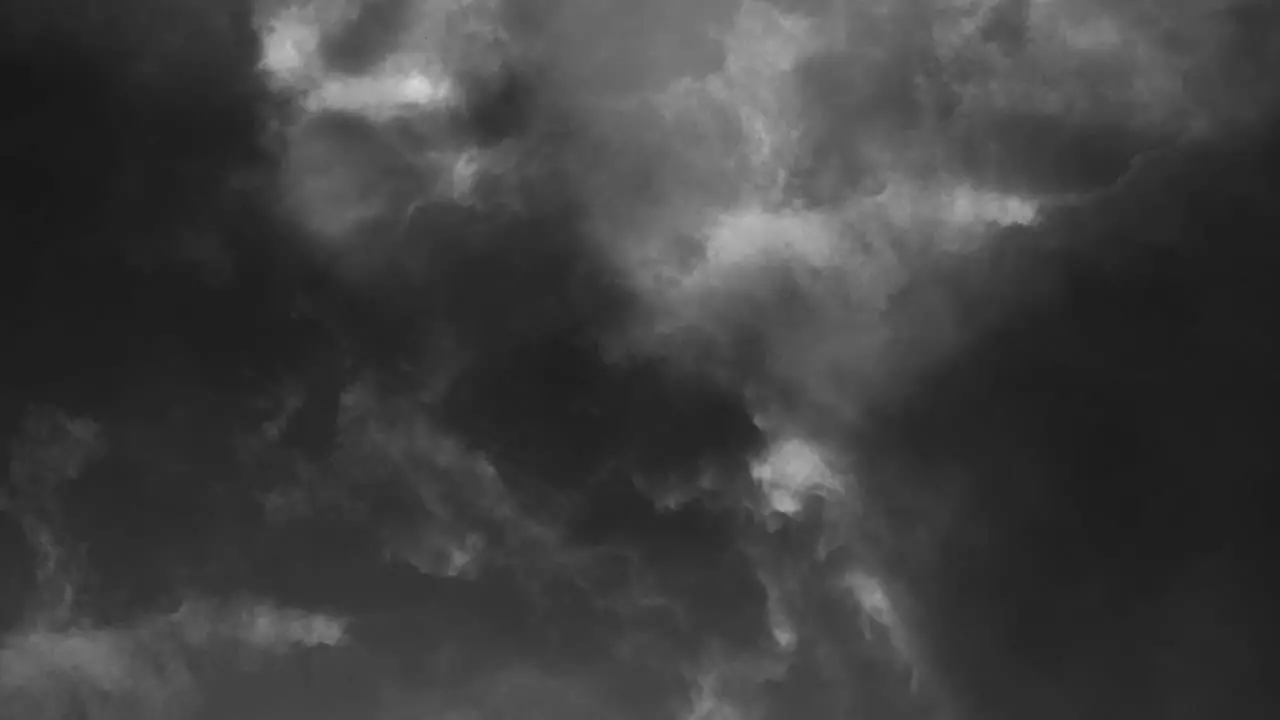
(823, 223)
(726, 687)
(404, 81)
(808, 303)
(153, 668)
(50, 450)
(438, 506)
(790, 473)
(1005, 485)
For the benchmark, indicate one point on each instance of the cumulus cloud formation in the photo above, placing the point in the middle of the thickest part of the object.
(791, 472)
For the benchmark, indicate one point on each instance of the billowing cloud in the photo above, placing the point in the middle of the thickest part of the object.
(790, 473)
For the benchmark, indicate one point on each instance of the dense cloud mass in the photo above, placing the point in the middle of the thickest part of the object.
(603, 359)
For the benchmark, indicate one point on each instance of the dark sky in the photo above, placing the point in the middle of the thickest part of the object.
(570, 359)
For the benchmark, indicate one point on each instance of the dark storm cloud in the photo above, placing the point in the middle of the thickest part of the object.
(1084, 89)
(515, 269)
(367, 37)
(506, 272)
(657, 326)
(750, 300)
(1101, 445)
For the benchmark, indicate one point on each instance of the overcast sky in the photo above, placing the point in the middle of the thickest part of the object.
(641, 360)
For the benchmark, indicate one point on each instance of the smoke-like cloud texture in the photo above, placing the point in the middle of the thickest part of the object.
(700, 360)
